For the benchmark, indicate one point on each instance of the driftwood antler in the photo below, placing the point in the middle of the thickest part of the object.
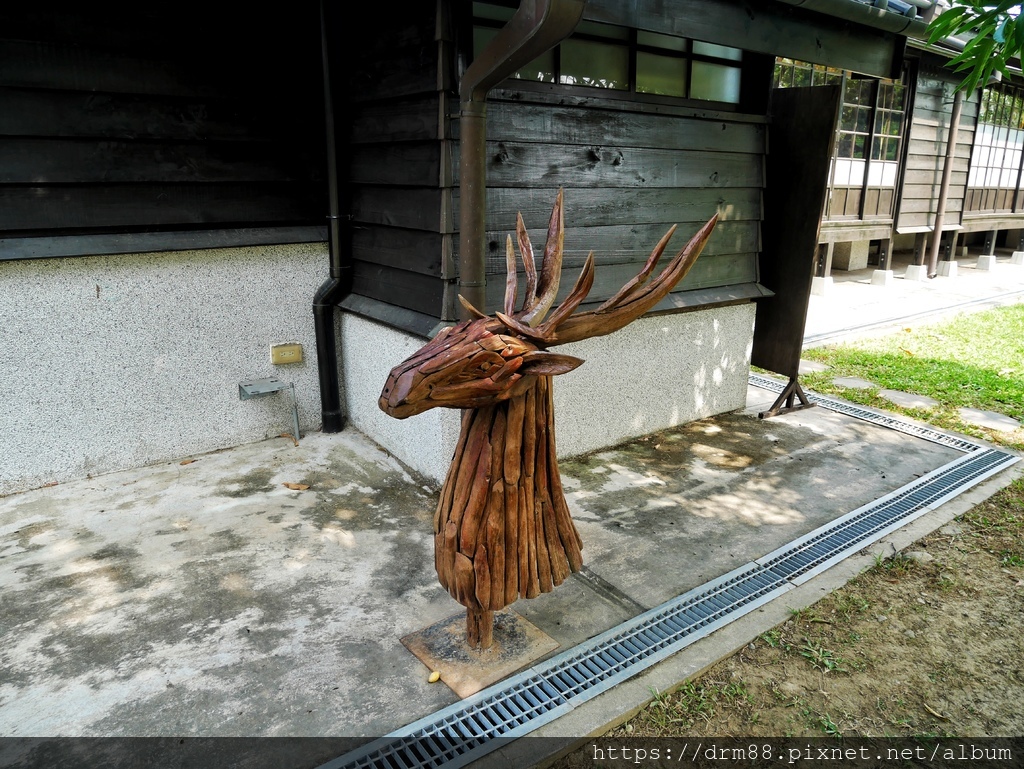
(628, 304)
(502, 529)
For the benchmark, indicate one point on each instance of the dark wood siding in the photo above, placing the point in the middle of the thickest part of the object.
(125, 119)
(396, 176)
(629, 172)
(926, 151)
(630, 169)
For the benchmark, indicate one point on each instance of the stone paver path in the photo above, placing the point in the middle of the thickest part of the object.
(909, 400)
(990, 419)
(853, 381)
(811, 367)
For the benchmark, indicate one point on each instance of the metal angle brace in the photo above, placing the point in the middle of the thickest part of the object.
(256, 388)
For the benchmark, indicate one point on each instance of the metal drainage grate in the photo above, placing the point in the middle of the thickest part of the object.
(811, 554)
(869, 415)
(470, 729)
(467, 730)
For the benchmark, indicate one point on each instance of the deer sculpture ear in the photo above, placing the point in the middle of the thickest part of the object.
(541, 363)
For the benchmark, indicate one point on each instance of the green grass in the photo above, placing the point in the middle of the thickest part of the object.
(974, 361)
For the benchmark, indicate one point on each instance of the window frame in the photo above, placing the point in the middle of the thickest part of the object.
(986, 198)
(630, 41)
(864, 201)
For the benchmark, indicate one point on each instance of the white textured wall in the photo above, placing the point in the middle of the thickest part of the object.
(369, 351)
(655, 373)
(119, 361)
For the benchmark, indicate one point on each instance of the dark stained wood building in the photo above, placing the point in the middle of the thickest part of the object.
(649, 114)
(129, 127)
(202, 175)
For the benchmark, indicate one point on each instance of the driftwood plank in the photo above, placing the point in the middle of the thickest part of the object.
(511, 543)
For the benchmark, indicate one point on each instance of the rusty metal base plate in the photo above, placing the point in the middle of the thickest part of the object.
(442, 647)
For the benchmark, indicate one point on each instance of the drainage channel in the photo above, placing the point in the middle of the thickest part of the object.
(478, 725)
(874, 417)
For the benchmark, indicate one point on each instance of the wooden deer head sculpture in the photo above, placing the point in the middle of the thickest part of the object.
(502, 528)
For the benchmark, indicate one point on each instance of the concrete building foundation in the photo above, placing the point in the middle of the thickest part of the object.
(656, 373)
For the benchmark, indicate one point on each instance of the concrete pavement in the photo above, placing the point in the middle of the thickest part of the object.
(853, 306)
(205, 597)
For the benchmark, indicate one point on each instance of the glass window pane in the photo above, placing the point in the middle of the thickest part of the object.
(857, 92)
(715, 82)
(859, 146)
(718, 51)
(541, 69)
(848, 121)
(481, 37)
(600, 65)
(664, 75)
(801, 77)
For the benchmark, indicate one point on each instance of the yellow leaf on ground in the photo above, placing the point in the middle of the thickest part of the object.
(297, 486)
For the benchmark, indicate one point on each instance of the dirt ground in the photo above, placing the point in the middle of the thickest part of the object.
(927, 643)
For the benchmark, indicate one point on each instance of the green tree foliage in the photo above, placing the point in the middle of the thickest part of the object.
(995, 32)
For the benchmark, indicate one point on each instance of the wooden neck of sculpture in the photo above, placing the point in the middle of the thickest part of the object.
(502, 528)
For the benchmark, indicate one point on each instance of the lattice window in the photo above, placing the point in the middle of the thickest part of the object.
(869, 138)
(629, 60)
(994, 181)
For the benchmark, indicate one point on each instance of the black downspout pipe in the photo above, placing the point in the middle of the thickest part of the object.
(338, 285)
(536, 27)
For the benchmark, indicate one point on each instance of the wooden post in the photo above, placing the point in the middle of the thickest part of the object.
(479, 628)
(990, 242)
(885, 254)
(920, 247)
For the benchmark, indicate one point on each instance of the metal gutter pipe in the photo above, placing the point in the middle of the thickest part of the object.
(947, 172)
(536, 27)
(868, 15)
(338, 285)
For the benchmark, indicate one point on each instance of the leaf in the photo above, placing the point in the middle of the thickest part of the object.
(186, 461)
(290, 437)
(296, 486)
(934, 712)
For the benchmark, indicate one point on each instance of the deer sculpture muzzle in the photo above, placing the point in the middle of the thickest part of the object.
(502, 528)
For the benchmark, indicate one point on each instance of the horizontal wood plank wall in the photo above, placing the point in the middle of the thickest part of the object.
(397, 178)
(629, 173)
(130, 118)
(926, 152)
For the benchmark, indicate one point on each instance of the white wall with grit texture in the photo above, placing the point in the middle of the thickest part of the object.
(656, 373)
(112, 362)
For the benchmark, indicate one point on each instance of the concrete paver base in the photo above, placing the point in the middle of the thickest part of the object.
(882, 278)
(442, 647)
